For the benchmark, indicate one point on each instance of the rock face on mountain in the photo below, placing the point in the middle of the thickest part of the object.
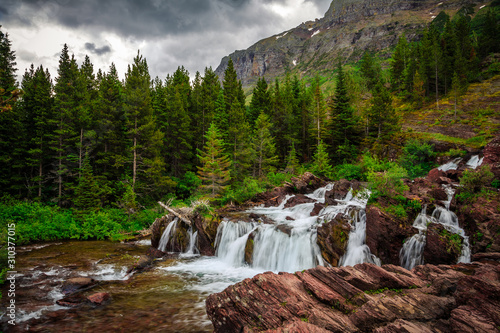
(348, 29)
(363, 298)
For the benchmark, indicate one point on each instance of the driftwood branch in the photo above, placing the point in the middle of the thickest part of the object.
(182, 218)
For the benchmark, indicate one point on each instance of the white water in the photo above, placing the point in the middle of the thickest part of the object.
(412, 250)
(167, 236)
(357, 251)
(474, 162)
(452, 165)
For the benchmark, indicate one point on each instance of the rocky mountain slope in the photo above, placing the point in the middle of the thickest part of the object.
(348, 29)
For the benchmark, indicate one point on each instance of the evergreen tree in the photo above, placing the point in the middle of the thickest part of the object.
(214, 170)
(292, 162)
(210, 88)
(344, 123)
(261, 101)
(383, 120)
(370, 70)
(65, 103)
(112, 151)
(398, 63)
(318, 113)
(144, 138)
(8, 88)
(87, 192)
(321, 162)
(264, 146)
(37, 108)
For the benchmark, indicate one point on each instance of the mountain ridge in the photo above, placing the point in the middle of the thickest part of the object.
(347, 30)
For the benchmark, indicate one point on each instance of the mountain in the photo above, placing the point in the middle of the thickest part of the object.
(348, 29)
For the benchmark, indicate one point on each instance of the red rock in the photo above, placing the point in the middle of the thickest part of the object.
(435, 174)
(76, 284)
(297, 327)
(154, 252)
(491, 155)
(439, 249)
(404, 326)
(306, 183)
(333, 237)
(385, 235)
(99, 298)
(317, 209)
(340, 190)
(298, 200)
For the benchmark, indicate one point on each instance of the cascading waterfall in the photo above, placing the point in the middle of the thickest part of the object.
(167, 235)
(357, 251)
(474, 162)
(452, 165)
(412, 250)
(289, 243)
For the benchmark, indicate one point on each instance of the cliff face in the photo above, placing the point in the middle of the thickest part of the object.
(348, 28)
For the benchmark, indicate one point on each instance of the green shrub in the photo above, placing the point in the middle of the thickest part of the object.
(348, 171)
(417, 158)
(474, 182)
(278, 178)
(388, 183)
(187, 185)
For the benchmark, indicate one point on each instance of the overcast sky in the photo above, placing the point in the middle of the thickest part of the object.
(192, 33)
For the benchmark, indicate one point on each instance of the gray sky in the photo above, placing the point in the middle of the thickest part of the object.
(192, 33)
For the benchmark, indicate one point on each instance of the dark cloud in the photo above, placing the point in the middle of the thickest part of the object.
(97, 50)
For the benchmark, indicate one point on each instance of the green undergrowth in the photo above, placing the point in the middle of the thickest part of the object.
(36, 222)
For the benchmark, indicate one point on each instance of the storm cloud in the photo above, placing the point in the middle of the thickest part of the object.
(170, 33)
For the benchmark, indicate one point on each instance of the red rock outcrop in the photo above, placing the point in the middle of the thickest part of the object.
(458, 298)
(333, 237)
(440, 246)
(491, 155)
(298, 199)
(385, 234)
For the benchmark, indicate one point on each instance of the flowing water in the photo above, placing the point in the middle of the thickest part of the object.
(411, 253)
(170, 297)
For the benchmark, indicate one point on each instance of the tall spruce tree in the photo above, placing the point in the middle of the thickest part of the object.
(321, 165)
(8, 87)
(261, 101)
(214, 170)
(65, 103)
(264, 147)
(144, 138)
(318, 113)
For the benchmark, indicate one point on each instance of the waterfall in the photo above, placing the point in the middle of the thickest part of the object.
(452, 165)
(192, 249)
(412, 250)
(474, 162)
(357, 251)
(288, 243)
(167, 235)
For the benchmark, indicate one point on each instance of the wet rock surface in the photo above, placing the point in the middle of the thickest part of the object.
(333, 237)
(441, 246)
(457, 298)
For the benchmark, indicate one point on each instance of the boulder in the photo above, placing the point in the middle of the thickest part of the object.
(249, 248)
(74, 285)
(441, 246)
(385, 234)
(207, 231)
(99, 298)
(333, 237)
(434, 175)
(318, 207)
(340, 190)
(298, 200)
(306, 183)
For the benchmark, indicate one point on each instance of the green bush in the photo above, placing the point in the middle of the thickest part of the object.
(417, 158)
(243, 191)
(388, 183)
(278, 178)
(348, 171)
(474, 182)
(187, 185)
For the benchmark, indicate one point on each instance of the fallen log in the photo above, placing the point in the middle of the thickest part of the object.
(182, 218)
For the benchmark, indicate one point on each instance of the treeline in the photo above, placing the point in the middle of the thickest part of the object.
(89, 140)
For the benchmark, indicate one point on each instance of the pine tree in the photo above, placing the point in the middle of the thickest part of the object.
(87, 191)
(292, 162)
(398, 63)
(145, 140)
(210, 88)
(65, 103)
(8, 88)
(214, 170)
(344, 123)
(318, 113)
(37, 106)
(321, 162)
(370, 70)
(261, 101)
(264, 146)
